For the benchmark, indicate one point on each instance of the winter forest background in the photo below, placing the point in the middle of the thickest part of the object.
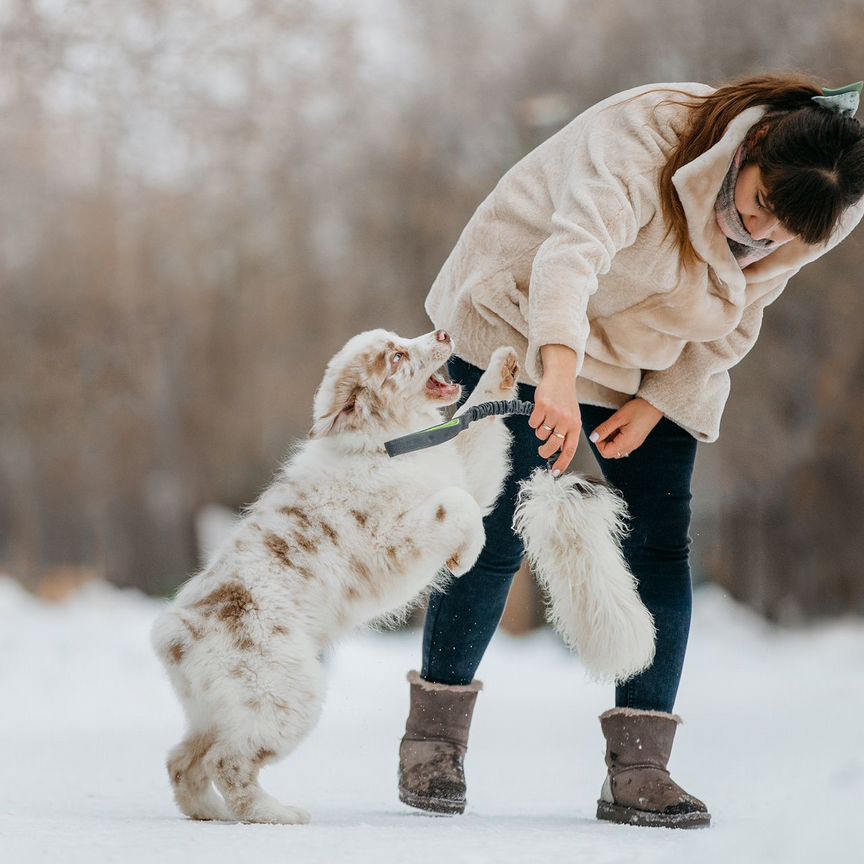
(201, 200)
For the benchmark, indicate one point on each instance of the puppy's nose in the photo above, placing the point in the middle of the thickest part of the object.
(442, 335)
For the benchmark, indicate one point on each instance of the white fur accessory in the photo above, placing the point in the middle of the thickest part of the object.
(572, 527)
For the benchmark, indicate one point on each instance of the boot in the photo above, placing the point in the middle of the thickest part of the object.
(431, 776)
(638, 789)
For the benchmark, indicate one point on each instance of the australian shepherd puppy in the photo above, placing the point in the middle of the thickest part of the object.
(344, 534)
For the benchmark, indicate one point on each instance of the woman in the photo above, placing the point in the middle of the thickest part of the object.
(629, 258)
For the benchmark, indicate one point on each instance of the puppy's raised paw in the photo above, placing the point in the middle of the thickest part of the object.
(509, 371)
(465, 557)
(503, 370)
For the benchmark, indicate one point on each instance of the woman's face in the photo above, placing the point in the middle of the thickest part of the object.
(750, 202)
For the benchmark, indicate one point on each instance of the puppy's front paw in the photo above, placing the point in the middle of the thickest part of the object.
(509, 370)
(465, 557)
(460, 520)
(503, 371)
(457, 565)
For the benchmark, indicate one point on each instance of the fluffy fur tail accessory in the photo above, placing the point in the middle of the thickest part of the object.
(572, 529)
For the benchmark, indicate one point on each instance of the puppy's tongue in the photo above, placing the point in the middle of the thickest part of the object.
(437, 385)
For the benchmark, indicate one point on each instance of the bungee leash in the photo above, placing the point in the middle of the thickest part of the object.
(451, 428)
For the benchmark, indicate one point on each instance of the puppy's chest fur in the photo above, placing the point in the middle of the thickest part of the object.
(329, 543)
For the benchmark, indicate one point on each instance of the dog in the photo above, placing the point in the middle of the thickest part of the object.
(343, 535)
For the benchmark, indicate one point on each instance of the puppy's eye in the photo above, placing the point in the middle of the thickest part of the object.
(397, 357)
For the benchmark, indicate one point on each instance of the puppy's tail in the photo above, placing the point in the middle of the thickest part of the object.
(572, 529)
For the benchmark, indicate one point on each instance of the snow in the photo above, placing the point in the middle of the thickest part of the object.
(771, 742)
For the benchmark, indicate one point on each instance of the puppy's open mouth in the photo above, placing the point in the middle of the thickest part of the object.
(439, 388)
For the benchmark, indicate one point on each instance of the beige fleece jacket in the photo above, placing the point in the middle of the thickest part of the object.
(568, 249)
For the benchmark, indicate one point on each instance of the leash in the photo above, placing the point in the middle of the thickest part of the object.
(435, 435)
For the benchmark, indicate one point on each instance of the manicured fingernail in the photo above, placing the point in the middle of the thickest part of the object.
(556, 473)
(594, 436)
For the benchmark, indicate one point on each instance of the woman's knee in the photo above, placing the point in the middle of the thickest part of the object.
(670, 552)
(660, 531)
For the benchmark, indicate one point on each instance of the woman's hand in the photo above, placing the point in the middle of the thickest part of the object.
(626, 429)
(556, 416)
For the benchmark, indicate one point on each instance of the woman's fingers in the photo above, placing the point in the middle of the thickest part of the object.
(567, 453)
(539, 422)
(613, 439)
(551, 424)
(558, 435)
(545, 430)
(556, 419)
(537, 416)
(554, 442)
(619, 445)
(605, 429)
(626, 430)
(615, 450)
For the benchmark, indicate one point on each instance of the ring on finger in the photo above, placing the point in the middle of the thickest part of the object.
(559, 435)
(548, 428)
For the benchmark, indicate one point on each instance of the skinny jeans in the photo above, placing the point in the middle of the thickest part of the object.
(654, 481)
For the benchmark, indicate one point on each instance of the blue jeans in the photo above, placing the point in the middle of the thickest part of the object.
(655, 482)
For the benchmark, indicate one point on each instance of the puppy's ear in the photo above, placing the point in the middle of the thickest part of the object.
(338, 413)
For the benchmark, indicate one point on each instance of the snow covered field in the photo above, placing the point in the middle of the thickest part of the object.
(772, 742)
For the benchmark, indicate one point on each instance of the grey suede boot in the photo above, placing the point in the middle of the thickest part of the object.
(638, 789)
(431, 775)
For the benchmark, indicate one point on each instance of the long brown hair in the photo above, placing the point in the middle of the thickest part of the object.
(811, 159)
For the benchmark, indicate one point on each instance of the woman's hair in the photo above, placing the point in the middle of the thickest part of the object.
(811, 159)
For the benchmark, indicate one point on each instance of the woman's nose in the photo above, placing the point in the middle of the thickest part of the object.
(763, 231)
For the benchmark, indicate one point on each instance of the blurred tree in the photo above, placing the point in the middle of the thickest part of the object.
(202, 200)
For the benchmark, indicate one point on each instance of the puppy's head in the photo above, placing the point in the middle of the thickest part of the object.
(380, 381)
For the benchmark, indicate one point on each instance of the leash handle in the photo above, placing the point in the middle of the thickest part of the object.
(435, 435)
(514, 406)
(489, 409)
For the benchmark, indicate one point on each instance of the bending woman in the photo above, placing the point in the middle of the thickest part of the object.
(630, 258)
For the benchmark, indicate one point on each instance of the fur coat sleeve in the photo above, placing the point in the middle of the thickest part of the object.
(601, 206)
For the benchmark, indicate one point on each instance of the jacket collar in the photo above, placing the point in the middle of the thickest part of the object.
(698, 184)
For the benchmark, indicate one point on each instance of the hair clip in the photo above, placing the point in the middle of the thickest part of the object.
(842, 100)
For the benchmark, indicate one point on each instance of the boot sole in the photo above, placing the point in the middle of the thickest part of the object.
(622, 815)
(442, 806)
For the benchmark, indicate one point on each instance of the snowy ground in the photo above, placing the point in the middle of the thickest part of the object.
(772, 742)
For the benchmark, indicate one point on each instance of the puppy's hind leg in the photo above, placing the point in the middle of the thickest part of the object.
(235, 774)
(287, 696)
(192, 789)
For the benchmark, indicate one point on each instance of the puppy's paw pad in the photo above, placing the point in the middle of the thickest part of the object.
(509, 371)
(504, 365)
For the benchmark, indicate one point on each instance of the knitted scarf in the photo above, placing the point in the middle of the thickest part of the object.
(745, 249)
